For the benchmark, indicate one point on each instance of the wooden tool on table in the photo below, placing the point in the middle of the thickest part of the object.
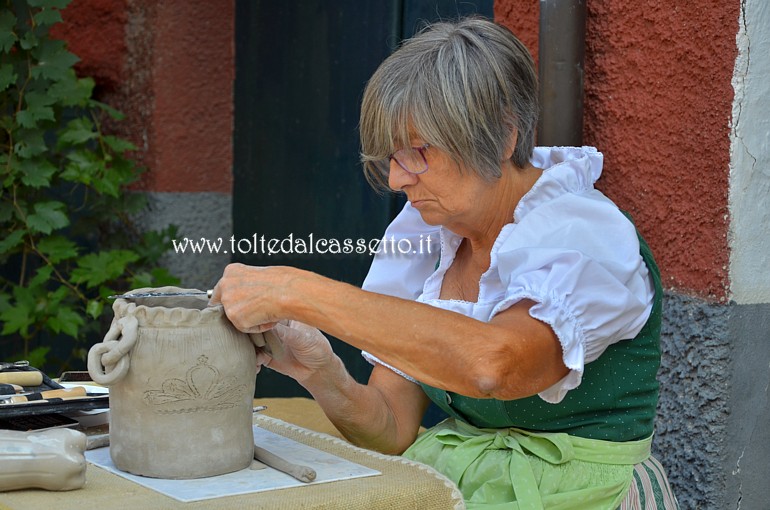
(22, 378)
(97, 441)
(45, 396)
(298, 471)
(10, 389)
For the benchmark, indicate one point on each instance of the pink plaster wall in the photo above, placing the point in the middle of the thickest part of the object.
(169, 66)
(658, 103)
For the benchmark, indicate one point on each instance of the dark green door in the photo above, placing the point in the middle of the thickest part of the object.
(301, 67)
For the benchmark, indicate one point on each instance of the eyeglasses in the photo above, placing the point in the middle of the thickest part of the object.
(412, 159)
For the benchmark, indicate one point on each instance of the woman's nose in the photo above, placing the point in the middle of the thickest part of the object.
(398, 177)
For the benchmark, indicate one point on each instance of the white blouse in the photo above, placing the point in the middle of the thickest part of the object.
(569, 249)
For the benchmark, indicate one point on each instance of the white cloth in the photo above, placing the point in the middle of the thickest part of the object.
(569, 249)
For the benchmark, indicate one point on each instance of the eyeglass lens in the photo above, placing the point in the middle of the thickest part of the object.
(411, 160)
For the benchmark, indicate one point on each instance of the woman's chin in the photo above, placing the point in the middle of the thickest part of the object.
(430, 219)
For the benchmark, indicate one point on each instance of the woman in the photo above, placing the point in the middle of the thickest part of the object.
(535, 321)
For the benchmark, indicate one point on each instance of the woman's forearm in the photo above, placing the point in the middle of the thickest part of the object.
(401, 333)
(438, 347)
(360, 412)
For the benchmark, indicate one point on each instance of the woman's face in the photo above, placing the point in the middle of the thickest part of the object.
(443, 194)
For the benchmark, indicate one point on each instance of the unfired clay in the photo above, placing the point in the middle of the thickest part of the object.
(181, 381)
(51, 459)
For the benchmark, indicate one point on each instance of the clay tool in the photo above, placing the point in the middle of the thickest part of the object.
(257, 465)
(298, 471)
(97, 441)
(15, 364)
(141, 295)
(46, 396)
(24, 378)
(10, 389)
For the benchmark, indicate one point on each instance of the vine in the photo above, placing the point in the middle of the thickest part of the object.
(68, 240)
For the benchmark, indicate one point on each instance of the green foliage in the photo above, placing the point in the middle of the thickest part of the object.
(67, 240)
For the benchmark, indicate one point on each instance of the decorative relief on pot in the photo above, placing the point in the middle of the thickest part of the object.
(203, 389)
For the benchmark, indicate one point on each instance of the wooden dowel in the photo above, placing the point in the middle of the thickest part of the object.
(48, 396)
(25, 378)
(298, 471)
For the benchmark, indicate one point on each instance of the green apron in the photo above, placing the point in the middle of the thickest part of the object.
(516, 469)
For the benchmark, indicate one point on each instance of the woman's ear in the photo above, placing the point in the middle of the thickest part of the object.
(511, 145)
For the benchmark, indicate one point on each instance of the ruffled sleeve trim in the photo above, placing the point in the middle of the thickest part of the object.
(374, 360)
(552, 311)
(568, 170)
(587, 307)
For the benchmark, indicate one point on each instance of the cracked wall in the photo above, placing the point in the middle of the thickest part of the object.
(750, 159)
(746, 464)
(747, 436)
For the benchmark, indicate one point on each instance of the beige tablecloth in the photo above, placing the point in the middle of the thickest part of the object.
(403, 484)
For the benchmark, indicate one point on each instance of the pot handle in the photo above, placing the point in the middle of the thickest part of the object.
(108, 362)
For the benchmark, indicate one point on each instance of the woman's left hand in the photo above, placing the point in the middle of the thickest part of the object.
(297, 350)
(252, 296)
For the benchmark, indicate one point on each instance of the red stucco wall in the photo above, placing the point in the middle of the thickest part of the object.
(94, 31)
(658, 103)
(169, 66)
(522, 17)
(194, 69)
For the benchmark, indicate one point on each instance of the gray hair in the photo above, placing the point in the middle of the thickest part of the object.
(464, 87)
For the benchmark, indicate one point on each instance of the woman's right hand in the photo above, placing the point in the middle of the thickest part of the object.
(296, 350)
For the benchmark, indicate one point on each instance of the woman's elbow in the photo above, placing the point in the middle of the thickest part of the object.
(499, 380)
(490, 380)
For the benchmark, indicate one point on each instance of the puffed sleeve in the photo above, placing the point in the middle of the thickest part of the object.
(577, 258)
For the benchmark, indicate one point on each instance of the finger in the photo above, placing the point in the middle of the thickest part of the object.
(263, 358)
(305, 328)
(216, 295)
(299, 329)
(274, 343)
(262, 328)
(257, 339)
(282, 334)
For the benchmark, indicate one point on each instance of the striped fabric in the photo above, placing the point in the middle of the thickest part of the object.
(650, 489)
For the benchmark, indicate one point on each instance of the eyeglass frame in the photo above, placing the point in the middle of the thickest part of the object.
(421, 150)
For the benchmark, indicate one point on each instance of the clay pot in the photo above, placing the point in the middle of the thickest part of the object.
(181, 381)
